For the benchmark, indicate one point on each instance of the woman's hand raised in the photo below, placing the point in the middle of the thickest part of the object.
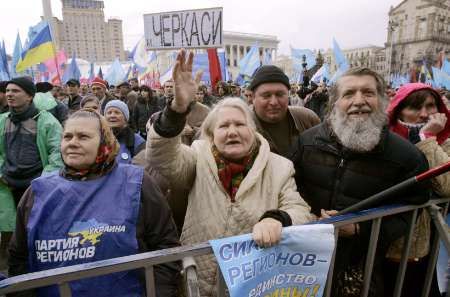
(185, 86)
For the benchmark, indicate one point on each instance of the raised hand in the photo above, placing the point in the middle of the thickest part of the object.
(185, 86)
(435, 124)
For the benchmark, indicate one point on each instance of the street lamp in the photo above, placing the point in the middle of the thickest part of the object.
(392, 26)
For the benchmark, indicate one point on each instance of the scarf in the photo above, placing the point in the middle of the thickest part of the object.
(106, 154)
(231, 174)
(413, 131)
(17, 117)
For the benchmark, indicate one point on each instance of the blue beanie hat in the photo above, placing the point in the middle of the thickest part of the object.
(120, 105)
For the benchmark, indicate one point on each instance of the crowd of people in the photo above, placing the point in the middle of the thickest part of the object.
(92, 172)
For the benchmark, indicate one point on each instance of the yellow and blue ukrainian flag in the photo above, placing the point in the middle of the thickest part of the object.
(40, 49)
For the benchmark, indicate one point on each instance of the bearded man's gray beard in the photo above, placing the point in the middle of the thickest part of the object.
(358, 134)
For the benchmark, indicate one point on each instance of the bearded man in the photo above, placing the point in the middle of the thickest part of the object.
(351, 156)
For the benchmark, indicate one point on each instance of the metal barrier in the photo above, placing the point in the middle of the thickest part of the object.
(63, 276)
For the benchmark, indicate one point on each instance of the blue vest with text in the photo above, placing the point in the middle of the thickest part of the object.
(76, 222)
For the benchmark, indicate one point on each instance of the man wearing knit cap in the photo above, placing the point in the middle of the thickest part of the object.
(73, 88)
(118, 115)
(99, 89)
(29, 142)
(29, 139)
(279, 123)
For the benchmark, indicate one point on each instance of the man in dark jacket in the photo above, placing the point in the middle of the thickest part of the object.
(279, 123)
(73, 87)
(351, 156)
(146, 105)
(168, 88)
(127, 95)
(317, 101)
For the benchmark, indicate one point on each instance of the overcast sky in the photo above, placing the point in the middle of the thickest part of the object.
(299, 23)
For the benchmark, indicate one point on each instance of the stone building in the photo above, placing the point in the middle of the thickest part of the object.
(238, 44)
(419, 30)
(84, 31)
(370, 56)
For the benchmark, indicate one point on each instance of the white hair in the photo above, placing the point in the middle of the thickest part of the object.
(360, 135)
(207, 128)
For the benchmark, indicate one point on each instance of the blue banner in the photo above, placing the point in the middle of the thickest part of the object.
(298, 266)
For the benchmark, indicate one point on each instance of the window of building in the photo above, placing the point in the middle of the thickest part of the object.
(234, 63)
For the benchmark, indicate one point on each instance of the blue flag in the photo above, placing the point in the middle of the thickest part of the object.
(440, 78)
(16, 56)
(100, 73)
(322, 75)
(251, 61)
(297, 58)
(267, 58)
(5, 60)
(341, 60)
(297, 266)
(201, 62)
(446, 66)
(223, 66)
(72, 71)
(129, 73)
(91, 72)
(115, 73)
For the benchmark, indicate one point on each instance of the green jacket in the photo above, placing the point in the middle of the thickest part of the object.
(48, 138)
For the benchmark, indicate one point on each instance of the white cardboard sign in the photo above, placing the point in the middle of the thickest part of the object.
(200, 28)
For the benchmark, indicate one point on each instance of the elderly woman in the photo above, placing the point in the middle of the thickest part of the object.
(94, 209)
(419, 114)
(117, 114)
(235, 183)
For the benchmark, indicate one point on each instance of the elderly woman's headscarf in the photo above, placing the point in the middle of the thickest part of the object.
(107, 150)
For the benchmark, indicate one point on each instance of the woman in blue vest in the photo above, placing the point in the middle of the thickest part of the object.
(118, 115)
(93, 209)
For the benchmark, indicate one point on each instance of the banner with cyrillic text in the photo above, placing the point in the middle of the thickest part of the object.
(200, 28)
(297, 266)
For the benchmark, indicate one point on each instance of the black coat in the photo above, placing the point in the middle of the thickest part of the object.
(141, 114)
(74, 103)
(329, 176)
(332, 177)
